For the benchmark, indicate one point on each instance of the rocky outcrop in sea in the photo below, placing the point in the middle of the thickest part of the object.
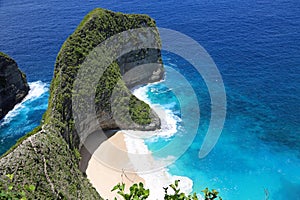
(13, 84)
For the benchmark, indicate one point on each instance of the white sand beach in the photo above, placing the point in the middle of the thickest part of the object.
(104, 177)
(124, 157)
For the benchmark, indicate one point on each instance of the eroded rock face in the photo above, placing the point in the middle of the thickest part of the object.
(13, 84)
(136, 67)
(141, 67)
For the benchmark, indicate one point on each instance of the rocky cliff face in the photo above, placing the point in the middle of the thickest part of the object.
(48, 157)
(96, 27)
(13, 84)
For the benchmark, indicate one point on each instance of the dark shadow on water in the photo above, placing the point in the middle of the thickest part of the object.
(93, 141)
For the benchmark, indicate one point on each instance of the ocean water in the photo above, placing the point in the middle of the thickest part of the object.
(243, 163)
(25, 116)
(256, 47)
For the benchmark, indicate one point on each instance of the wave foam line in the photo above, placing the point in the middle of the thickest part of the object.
(37, 89)
(160, 178)
(168, 119)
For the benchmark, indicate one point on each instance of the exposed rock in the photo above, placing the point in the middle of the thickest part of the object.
(141, 67)
(48, 157)
(96, 27)
(45, 161)
(13, 84)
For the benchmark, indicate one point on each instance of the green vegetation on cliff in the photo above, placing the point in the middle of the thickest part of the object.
(45, 161)
(9, 59)
(48, 157)
(97, 26)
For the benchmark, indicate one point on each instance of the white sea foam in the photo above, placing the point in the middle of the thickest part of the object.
(36, 90)
(155, 180)
(168, 118)
(141, 93)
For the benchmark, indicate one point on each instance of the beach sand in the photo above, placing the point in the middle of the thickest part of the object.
(152, 171)
(104, 177)
(124, 157)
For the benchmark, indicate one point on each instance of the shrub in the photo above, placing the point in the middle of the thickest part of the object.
(8, 191)
(138, 192)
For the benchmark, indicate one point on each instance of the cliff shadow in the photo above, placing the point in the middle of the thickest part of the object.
(93, 141)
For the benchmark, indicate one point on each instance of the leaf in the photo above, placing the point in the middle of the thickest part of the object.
(10, 176)
(215, 192)
(2, 194)
(135, 198)
(141, 185)
(173, 187)
(23, 194)
(181, 196)
(147, 192)
(116, 187)
(195, 196)
(31, 188)
(205, 191)
(122, 187)
(176, 183)
(166, 189)
(127, 196)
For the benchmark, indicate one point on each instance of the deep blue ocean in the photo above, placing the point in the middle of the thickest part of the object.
(256, 47)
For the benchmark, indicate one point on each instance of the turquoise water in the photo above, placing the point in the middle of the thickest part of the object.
(25, 116)
(246, 161)
(255, 45)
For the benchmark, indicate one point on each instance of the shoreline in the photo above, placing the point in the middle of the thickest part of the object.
(158, 177)
(127, 150)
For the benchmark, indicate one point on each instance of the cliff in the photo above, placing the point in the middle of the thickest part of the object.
(13, 84)
(95, 28)
(48, 157)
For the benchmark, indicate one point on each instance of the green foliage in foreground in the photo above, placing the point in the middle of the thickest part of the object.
(210, 195)
(138, 192)
(176, 194)
(8, 191)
